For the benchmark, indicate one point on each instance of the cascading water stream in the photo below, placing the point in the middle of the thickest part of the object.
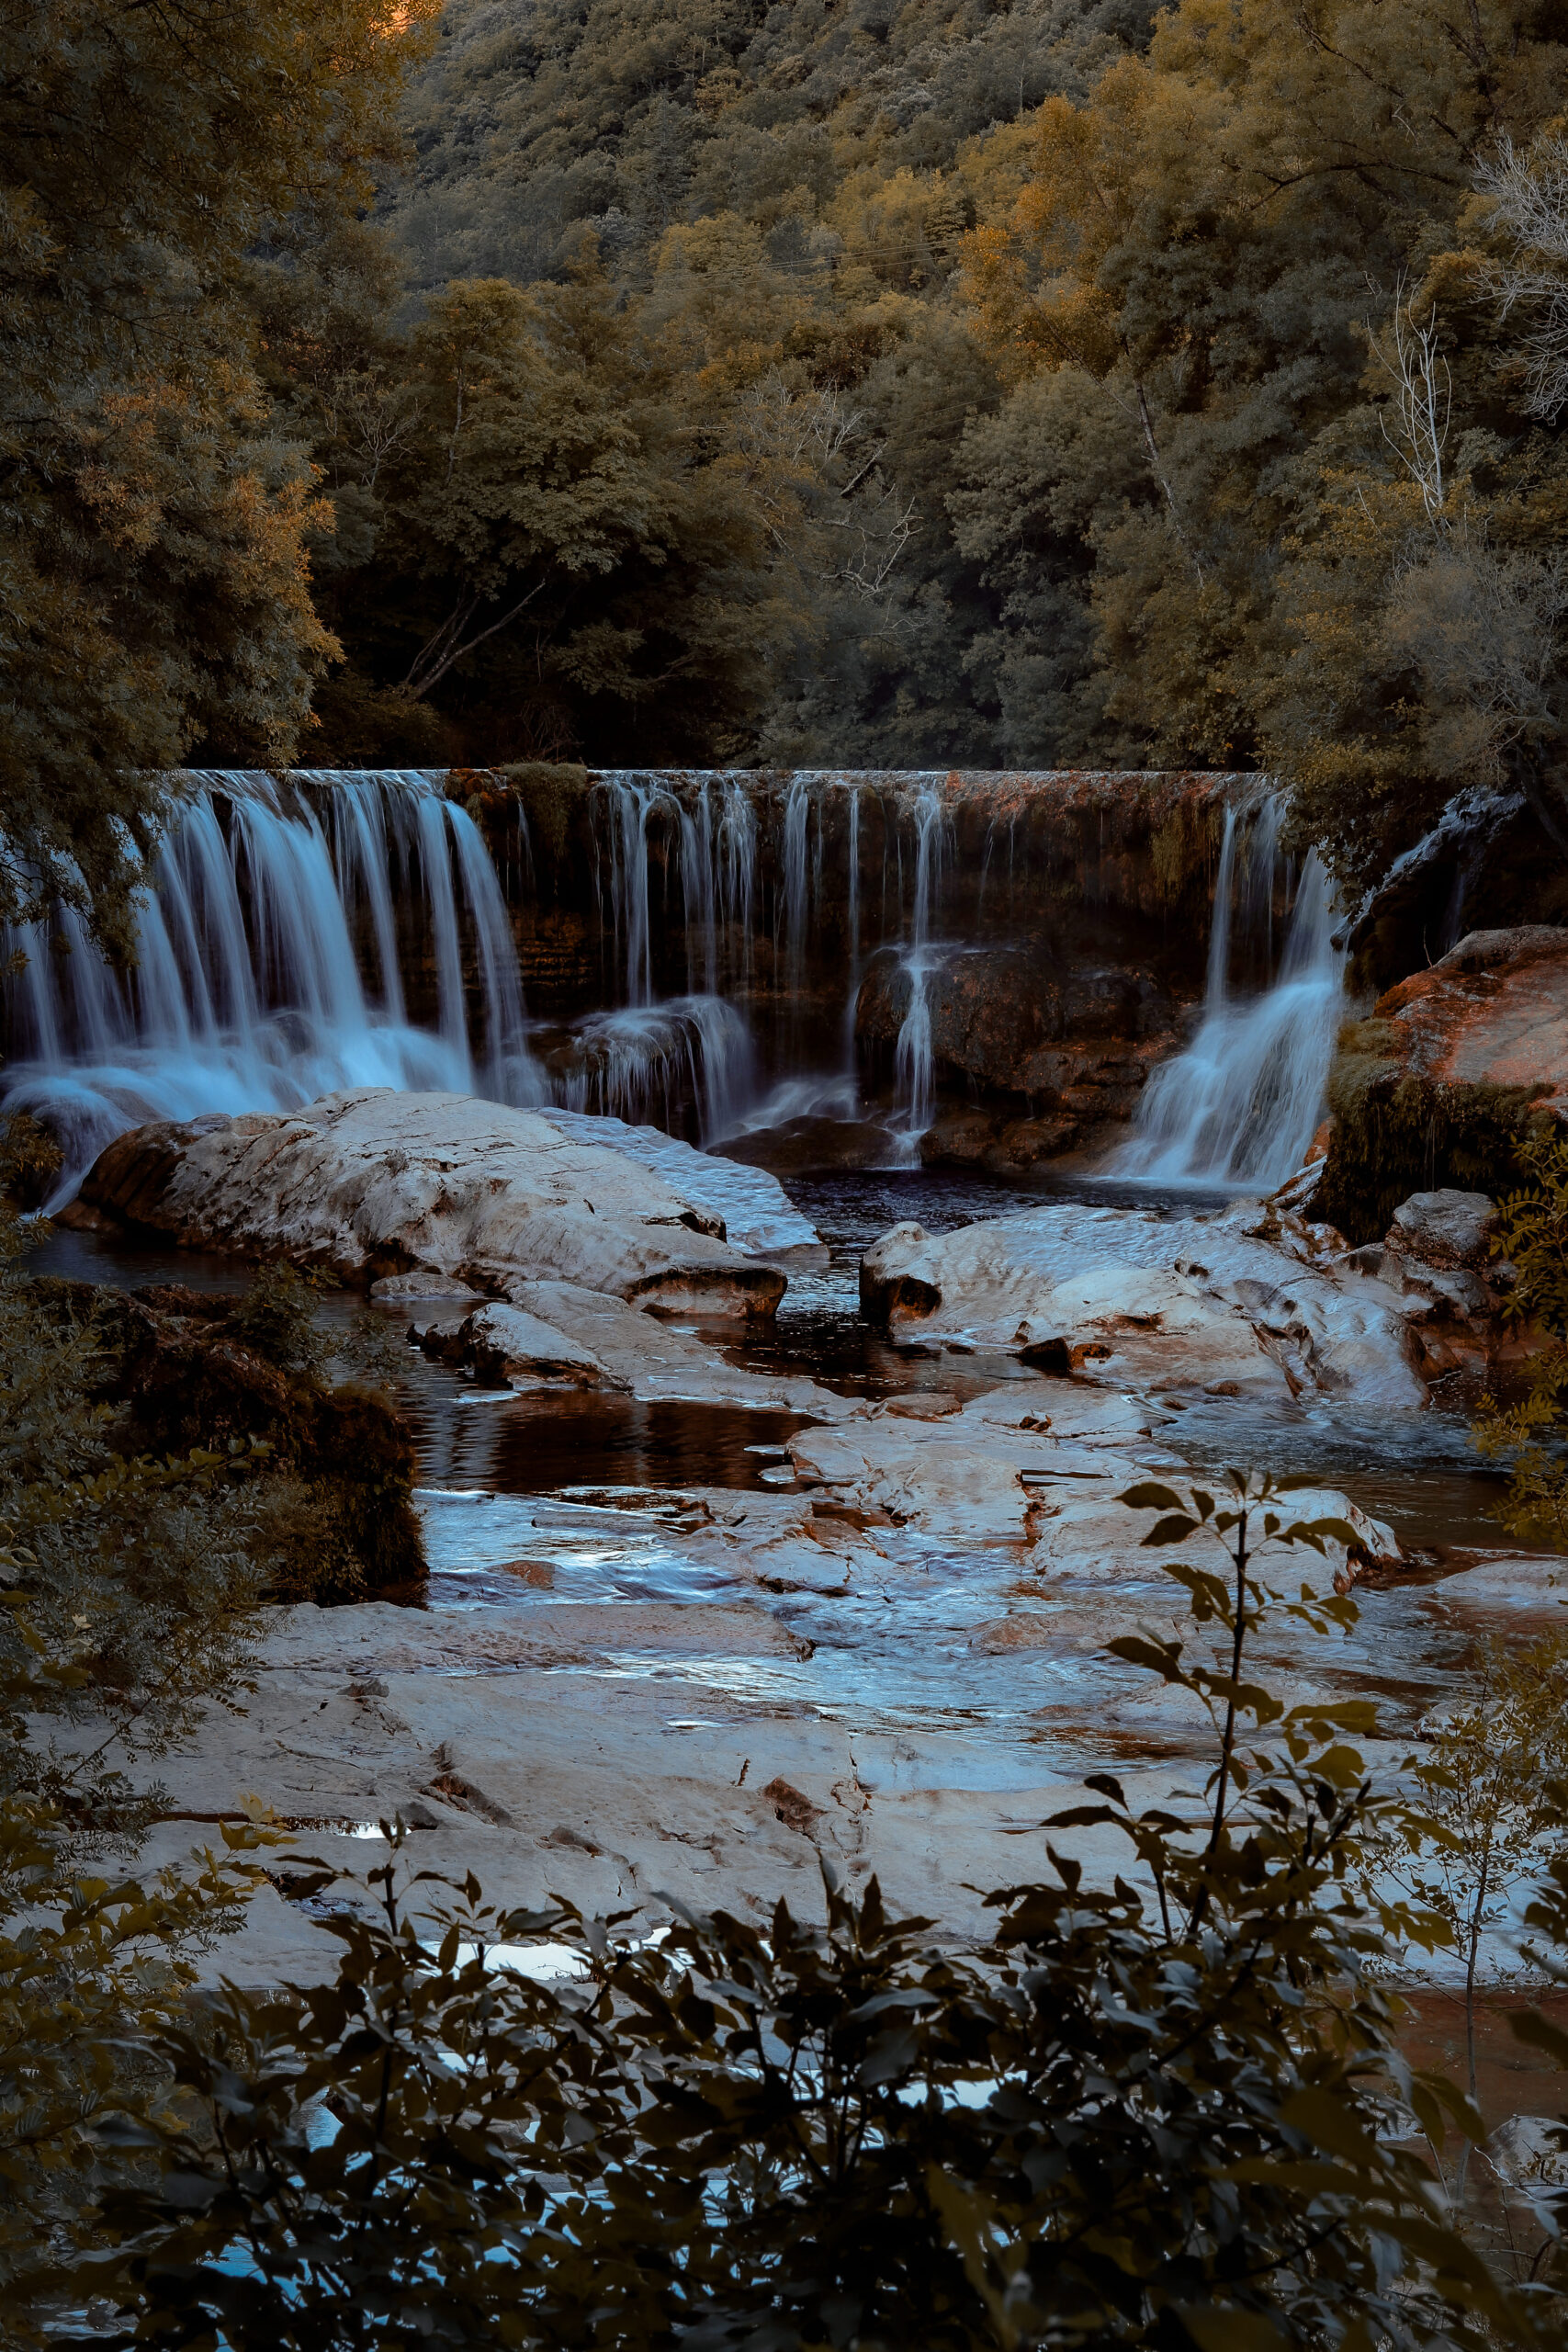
(852, 926)
(247, 994)
(287, 927)
(797, 817)
(914, 1061)
(1241, 1104)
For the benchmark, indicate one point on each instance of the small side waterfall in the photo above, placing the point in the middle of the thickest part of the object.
(1240, 1105)
(646, 1063)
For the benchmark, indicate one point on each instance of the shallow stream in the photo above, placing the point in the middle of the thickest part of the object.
(1418, 1473)
(583, 1499)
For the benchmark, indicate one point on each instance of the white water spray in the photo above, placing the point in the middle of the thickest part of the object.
(1240, 1105)
(247, 994)
(914, 1061)
(650, 1064)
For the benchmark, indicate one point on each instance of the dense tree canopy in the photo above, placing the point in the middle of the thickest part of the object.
(1272, 246)
(154, 586)
(1037, 384)
(1023, 385)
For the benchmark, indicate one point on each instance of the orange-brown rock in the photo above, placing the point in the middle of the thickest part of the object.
(1432, 1093)
(1494, 1012)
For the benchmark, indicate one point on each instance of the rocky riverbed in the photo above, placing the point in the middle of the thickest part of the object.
(727, 1576)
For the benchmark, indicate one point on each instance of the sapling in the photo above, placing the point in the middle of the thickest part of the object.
(1493, 1819)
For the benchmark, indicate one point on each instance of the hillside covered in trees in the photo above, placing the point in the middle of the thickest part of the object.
(860, 384)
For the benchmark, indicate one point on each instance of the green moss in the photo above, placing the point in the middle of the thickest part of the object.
(1396, 1134)
(1181, 850)
(550, 795)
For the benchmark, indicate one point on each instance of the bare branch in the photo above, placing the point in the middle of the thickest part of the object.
(1422, 399)
(1530, 194)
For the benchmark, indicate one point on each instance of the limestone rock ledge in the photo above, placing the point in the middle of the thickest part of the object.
(373, 1184)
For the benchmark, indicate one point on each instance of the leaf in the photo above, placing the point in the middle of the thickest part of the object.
(1135, 1651)
(1174, 1528)
(1332, 2124)
(1230, 2331)
(1149, 1497)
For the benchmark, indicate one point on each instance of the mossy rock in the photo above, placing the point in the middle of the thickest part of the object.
(1182, 849)
(1395, 1133)
(335, 1479)
(359, 1458)
(551, 796)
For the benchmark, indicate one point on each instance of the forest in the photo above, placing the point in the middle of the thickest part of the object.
(1025, 386)
(984, 385)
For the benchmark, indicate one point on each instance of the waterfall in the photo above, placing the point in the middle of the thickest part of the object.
(697, 888)
(851, 1059)
(653, 1065)
(1216, 983)
(1240, 1105)
(297, 935)
(632, 804)
(797, 817)
(247, 992)
(914, 1062)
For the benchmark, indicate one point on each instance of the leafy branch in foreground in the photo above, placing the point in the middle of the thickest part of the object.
(1165, 2111)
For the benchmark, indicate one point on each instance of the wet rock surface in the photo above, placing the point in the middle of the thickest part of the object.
(1446, 1229)
(375, 1182)
(889, 1648)
(1493, 1010)
(1245, 1303)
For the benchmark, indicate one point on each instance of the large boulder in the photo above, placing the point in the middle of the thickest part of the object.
(1445, 1228)
(1432, 1093)
(1146, 1303)
(374, 1182)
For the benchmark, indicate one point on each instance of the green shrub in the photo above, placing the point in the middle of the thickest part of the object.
(333, 1460)
(1532, 1234)
(128, 1587)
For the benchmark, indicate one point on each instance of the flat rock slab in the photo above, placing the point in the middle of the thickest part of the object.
(757, 1214)
(374, 1182)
